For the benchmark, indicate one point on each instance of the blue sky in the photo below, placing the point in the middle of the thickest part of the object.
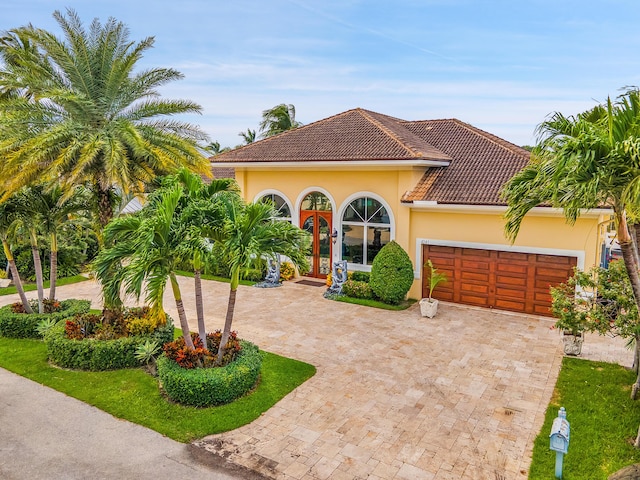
(502, 66)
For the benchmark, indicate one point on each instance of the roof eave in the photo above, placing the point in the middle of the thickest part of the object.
(336, 164)
(430, 205)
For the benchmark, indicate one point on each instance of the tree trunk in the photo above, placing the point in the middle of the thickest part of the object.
(636, 444)
(105, 209)
(231, 305)
(184, 324)
(38, 267)
(635, 237)
(628, 256)
(15, 276)
(202, 332)
(636, 352)
(53, 276)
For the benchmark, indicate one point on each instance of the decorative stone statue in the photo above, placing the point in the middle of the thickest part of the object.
(338, 277)
(272, 279)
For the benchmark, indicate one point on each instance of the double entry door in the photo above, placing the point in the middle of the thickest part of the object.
(318, 224)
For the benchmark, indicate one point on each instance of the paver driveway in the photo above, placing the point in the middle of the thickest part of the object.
(396, 396)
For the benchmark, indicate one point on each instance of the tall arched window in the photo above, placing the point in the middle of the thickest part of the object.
(366, 228)
(284, 212)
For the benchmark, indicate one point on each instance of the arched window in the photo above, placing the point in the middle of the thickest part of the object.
(282, 207)
(366, 228)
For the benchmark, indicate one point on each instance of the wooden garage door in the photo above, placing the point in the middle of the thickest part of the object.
(497, 279)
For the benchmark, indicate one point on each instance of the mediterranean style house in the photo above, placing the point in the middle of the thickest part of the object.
(359, 179)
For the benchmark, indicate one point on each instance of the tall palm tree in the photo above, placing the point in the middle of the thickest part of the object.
(76, 111)
(251, 233)
(8, 217)
(586, 161)
(278, 119)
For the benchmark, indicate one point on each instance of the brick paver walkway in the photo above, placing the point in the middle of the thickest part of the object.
(396, 396)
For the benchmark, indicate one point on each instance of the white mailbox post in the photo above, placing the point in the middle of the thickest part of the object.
(559, 439)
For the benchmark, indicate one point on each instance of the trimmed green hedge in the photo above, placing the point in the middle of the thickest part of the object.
(391, 274)
(92, 354)
(24, 325)
(357, 289)
(204, 387)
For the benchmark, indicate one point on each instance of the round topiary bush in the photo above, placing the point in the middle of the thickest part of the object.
(205, 387)
(391, 274)
(25, 325)
(100, 354)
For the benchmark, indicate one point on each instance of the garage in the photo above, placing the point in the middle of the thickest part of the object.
(498, 279)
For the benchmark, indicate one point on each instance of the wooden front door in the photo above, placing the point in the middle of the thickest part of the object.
(497, 279)
(318, 224)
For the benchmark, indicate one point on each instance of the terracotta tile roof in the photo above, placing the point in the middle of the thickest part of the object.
(223, 172)
(479, 162)
(354, 135)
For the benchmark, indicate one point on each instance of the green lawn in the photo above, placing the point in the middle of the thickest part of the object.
(28, 287)
(375, 303)
(133, 395)
(603, 419)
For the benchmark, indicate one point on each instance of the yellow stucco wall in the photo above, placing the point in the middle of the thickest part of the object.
(541, 232)
(537, 232)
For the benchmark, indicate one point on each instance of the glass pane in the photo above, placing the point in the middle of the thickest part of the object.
(324, 244)
(352, 243)
(377, 213)
(356, 211)
(377, 237)
(280, 204)
(316, 201)
(307, 226)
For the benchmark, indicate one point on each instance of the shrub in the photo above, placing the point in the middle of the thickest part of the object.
(357, 289)
(204, 387)
(360, 276)
(202, 357)
(287, 271)
(99, 354)
(25, 325)
(391, 274)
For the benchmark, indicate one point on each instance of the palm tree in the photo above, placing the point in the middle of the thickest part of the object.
(55, 211)
(215, 148)
(586, 161)
(249, 136)
(29, 211)
(278, 119)
(251, 233)
(150, 242)
(201, 210)
(74, 110)
(8, 217)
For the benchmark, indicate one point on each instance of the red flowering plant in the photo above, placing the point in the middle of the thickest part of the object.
(199, 356)
(50, 306)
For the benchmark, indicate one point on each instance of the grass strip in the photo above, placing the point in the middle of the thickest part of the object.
(133, 395)
(375, 303)
(603, 420)
(29, 287)
(204, 276)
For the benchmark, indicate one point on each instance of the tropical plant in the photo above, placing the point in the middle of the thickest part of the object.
(251, 233)
(215, 148)
(200, 210)
(92, 119)
(150, 243)
(278, 119)
(586, 161)
(249, 136)
(8, 217)
(435, 278)
(391, 273)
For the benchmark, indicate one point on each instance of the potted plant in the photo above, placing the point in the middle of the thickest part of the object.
(4, 281)
(572, 312)
(429, 306)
